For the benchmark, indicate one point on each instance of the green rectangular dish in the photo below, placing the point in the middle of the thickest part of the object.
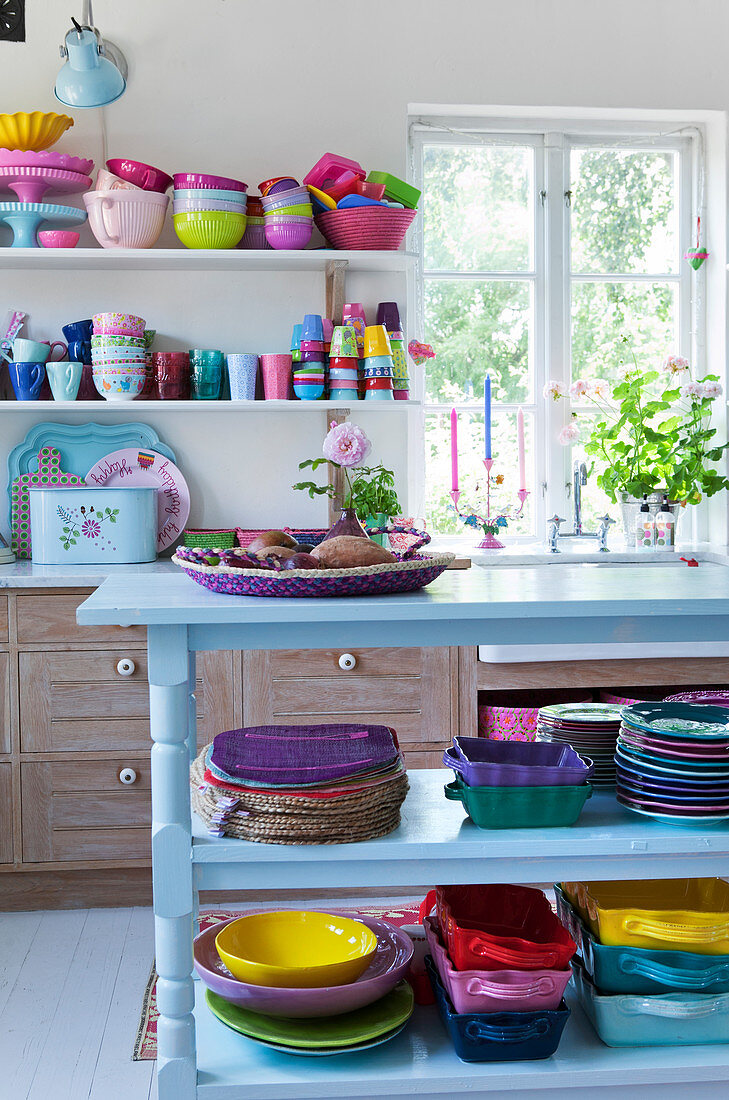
(519, 807)
(396, 189)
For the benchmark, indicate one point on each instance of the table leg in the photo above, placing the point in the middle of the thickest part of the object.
(169, 697)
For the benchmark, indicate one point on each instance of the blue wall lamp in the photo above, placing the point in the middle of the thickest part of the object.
(95, 70)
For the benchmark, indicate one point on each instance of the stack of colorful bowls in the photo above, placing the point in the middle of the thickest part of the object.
(653, 968)
(255, 234)
(118, 354)
(209, 211)
(389, 315)
(304, 982)
(288, 213)
(377, 364)
(590, 728)
(518, 784)
(499, 966)
(672, 762)
(344, 365)
(310, 371)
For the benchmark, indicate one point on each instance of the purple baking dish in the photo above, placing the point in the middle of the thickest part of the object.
(389, 965)
(194, 179)
(495, 990)
(485, 763)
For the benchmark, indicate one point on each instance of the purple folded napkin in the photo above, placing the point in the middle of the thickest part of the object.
(288, 755)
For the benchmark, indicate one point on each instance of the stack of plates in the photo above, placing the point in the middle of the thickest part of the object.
(673, 762)
(319, 1020)
(591, 729)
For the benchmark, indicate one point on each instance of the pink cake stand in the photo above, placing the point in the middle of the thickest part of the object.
(30, 183)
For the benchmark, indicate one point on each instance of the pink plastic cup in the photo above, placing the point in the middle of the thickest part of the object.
(276, 375)
(58, 238)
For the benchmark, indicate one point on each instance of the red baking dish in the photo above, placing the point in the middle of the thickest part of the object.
(500, 927)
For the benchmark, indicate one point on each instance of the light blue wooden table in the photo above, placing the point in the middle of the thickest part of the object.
(434, 844)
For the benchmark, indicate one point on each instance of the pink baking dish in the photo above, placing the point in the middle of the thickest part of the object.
(495, 990)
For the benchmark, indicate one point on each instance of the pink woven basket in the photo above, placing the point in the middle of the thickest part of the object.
(500, 720)
(376, 228)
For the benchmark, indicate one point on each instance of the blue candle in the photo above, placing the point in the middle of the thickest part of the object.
(487, 414)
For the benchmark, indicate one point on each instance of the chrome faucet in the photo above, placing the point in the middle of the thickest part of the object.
(579, 478)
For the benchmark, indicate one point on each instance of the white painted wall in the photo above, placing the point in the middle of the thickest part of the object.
(253, 91)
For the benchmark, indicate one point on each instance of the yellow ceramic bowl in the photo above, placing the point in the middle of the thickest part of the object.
(296, 949)
(32, 131)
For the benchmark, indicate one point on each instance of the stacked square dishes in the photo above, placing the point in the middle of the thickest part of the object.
(653, 967)
(498, 967)
(305, 982)
(320, 784)
(590, 728)
(672, 762)
(517, 784)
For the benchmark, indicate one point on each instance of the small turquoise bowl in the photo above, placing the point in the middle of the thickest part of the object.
(343, 395)
(372, 361)
(379, 395)
(211, 193)
(308, 393)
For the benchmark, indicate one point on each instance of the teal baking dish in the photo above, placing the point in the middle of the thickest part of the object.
(519, 807)
(640, 969)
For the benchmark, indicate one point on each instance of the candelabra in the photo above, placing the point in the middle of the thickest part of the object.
(490, 523)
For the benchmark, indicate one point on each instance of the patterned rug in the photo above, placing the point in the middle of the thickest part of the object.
(145, 1046)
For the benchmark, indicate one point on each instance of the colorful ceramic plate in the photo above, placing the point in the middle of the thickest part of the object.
(686, 751)
(329, 1052)
(131, 467)
(645, 767)
(582, 712)
(683, 719)
(678, 767)
(348, 1030)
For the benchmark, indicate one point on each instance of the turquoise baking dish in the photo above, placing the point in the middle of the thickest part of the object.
(519, 807)
(639, 969)
(667, 1020)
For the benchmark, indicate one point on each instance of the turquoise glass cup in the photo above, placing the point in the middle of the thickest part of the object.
(206, 373)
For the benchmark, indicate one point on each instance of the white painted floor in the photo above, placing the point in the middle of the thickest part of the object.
(71, 987)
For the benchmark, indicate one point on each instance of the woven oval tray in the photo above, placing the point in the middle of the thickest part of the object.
(363, 580)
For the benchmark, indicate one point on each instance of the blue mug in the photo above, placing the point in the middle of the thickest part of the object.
(27, 379)
(78, 330)
(79, 351)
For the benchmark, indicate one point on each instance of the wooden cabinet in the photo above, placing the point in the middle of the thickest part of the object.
(81, 810)
(6, 814)
(5, 741)
(52, 618)
(408, 689)
(3, 618)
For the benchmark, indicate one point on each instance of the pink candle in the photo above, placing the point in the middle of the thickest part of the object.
(454, 451)
(520, 445)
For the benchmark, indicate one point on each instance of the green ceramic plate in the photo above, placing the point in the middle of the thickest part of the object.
(328, 1052)
(351, 1029)
(582, 712)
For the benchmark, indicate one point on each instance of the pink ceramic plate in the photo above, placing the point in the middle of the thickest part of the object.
(31, 183)
(679, 808)
(46, 158)
(132, 467)
(660, 750)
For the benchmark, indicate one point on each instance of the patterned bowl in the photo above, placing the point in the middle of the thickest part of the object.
(118, 324)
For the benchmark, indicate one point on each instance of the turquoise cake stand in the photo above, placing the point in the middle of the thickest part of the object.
(25, 218)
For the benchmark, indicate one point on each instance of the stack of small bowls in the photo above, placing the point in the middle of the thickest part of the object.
(118, 354)
(288, 213)
(310, 372)
(209, 211)
(343, 364)
(255, 234)
(389, 315)
(377, 364)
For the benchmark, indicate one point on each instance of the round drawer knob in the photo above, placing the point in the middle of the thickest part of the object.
(126, 666)
(347, 662)
(127, 776)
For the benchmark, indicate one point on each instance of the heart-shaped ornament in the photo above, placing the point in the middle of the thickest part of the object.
(695, 257)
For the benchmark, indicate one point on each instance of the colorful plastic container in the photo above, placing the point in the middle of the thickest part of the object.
(483, 763)
(499, 1037)
(82, 525)
(520, 807)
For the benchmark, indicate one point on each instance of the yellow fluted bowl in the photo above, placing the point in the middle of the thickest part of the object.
(32, 131)
(296, 949)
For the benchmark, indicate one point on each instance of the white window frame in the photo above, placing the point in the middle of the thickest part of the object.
(551, 277)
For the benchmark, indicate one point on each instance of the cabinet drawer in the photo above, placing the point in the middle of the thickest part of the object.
(6, 813)
(5, 702)
(53, 619)
(78, 701)
(295, 664)
(3, 618)
(81, 811)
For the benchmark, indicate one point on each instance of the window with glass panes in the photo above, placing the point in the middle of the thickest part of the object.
(539, 252)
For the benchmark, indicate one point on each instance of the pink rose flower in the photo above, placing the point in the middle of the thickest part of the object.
(675, 364)
(569, 434)
(578, 388)
(712, 390)
(346, 445)
(694, 390)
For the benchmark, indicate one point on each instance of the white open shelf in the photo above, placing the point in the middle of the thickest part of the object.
(137, 408)
(197, 259)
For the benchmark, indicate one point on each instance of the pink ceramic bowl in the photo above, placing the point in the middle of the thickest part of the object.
(288, 236)
(140, 174)
(186, 180)
(107, 181)
(58, 238)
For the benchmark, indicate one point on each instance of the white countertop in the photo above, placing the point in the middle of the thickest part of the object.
(25, 574)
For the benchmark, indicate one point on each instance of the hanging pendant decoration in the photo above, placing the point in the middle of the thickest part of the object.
(696, 256)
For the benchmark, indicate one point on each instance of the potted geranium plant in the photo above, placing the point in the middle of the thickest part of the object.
(652, 435)
(369, 496)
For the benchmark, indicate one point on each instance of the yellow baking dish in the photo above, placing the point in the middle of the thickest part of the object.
(668, 914)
